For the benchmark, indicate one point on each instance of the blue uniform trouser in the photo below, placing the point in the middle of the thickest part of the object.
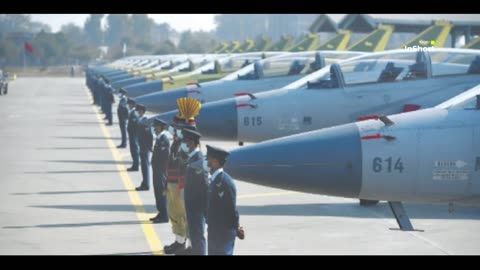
(99, 96)
(159, 182)
(196, 230)
(221, 241)
(104, 102)
(122, 123)
(145, 157)
(109, 112)
(134, 148)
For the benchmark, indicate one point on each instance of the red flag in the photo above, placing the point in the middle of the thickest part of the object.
(28, 47)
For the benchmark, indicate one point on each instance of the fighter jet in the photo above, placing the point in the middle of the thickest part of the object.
(264, 75)
(425, 156)
(180, 66)
(283, 44)
(380, 83)
(213, 70)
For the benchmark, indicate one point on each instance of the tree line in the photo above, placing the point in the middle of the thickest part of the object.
(141, 35)
(73, 44)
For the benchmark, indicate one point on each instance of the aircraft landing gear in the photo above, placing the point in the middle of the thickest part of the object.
(364, 202)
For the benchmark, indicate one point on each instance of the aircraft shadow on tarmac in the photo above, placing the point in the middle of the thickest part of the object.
(74, 225)
(316, 209)
(102, 207)
(353, 209)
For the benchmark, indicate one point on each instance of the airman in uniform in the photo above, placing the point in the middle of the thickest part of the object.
(122, 113)
(196, 184)
(222, 214)
(160, 155)
(145, 141)
(132, 134)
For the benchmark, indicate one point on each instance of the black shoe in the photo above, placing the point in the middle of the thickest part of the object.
(121, 146)
(174, 248)
(141, 188)
(132, 169)
(151, 219)
(159, 219)
(156, 217)
(109, 124)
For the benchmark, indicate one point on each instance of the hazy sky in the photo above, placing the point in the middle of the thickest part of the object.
(194, 22)
(179, 22)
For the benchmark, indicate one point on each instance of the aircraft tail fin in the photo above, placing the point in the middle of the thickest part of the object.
(474, 44)
(376, 41)
(221, 48)
(309, 43)
(435, 35)
(339, 42)
(283, 44)
(245, 47)
(262, 44)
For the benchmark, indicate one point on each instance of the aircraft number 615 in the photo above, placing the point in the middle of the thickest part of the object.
(252, 121)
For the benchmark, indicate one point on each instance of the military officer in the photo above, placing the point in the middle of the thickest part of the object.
(175, 184)
(222, 214)
(132, 134)
(185, 119)
(145, 141)
(108, 105)
(196, 185)
(122, 113)
(160, 155)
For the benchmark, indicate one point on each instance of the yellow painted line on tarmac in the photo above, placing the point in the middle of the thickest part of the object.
(148, 230)
(270, 194)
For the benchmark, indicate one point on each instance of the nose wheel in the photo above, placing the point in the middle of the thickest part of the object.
(364, 202)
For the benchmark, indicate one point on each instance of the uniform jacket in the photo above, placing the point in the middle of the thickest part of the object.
(222, 203)
(161, 152)
(132, 123)
(196, 183)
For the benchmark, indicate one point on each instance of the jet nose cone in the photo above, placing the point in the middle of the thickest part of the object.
(327, 161)
(218, 120)
(140, 89)
(162, 101)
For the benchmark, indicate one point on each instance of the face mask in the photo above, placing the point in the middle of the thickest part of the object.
(205, 166)
(184, 148)
(179, 134)
(171, 130)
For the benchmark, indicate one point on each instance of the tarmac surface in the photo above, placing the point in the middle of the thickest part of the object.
(64, 190)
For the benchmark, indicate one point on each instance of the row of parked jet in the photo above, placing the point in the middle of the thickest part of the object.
(400, 125)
